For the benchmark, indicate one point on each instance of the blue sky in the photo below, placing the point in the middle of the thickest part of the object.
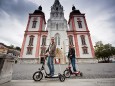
(100, 17)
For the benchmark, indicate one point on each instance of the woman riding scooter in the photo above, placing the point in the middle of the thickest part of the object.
(71, 57)
(72, 60)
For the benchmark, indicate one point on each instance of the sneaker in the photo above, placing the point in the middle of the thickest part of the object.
(51, 75)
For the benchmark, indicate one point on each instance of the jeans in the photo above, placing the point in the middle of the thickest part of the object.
(73, 64)
(50, 65)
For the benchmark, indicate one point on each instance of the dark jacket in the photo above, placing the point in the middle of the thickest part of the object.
(71, 53)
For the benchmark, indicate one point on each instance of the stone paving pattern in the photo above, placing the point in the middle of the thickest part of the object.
(90, 71)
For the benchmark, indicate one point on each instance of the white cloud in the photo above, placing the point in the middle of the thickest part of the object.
(11, 32)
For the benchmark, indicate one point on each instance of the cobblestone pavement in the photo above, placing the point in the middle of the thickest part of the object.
(90, 71)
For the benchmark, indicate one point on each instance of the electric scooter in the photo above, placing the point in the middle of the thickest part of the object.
(38, 75)
(68, 72)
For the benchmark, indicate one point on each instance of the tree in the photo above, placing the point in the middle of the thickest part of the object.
(11, 47)
(104, 52)
(18, 48)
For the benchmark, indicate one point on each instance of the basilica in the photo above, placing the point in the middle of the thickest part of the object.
(74, 31)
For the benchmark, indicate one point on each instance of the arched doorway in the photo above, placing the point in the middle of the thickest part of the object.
(59, 56)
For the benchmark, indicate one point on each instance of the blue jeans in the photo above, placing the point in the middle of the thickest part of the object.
(73, 64)
(50, 65)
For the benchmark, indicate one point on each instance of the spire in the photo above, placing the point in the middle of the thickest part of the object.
(74, 11)
(56, 10)
(56, 2)
(57, 6)
(73, 8)
(40, 8)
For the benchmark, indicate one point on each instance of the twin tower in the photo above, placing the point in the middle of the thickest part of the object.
(74, 32)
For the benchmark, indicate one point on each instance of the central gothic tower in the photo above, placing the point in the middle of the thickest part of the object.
(57, 27)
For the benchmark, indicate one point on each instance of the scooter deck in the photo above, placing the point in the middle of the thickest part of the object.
(54, 76)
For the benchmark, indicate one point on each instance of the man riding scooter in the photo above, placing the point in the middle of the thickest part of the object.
(51, 54)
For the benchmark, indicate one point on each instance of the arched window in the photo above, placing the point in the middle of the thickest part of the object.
(43, 51)
(43, 40)
(31, 40)
(70, 40)
(34, 24)
(85, 50)
(29, 50)
(83, 40)
(57, 39)
(79, 24)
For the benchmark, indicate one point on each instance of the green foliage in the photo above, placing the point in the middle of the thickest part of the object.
(13, 47)
(18, 48)
(104, 52)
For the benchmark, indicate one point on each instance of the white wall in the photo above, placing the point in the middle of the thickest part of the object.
(63, 39)
(34, 47)
(83, 24)
(31, 23)
(89, 55)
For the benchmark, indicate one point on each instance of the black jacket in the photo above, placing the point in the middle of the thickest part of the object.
(71, 52)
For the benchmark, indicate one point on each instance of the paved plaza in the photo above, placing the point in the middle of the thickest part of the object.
(90, 71)
(101, 74)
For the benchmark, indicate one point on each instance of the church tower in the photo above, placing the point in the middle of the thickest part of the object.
(57, 27)
(34, 30)
(79, 32)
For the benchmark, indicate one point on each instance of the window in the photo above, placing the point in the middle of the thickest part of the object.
(79, 24)
(70, 40)
(42, 51)
(85, 51)
(83, 40)
(43, 40)
(31, 40)
(42, 60)
(29, 50)
(56, 26)
(34, 24)
(57, 39)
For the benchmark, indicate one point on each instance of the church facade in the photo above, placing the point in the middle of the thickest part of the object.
(74, 32)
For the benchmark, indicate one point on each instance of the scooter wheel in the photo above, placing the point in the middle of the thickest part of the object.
(81, 74)
(67, 73)
(62, 78)
(37, 76)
